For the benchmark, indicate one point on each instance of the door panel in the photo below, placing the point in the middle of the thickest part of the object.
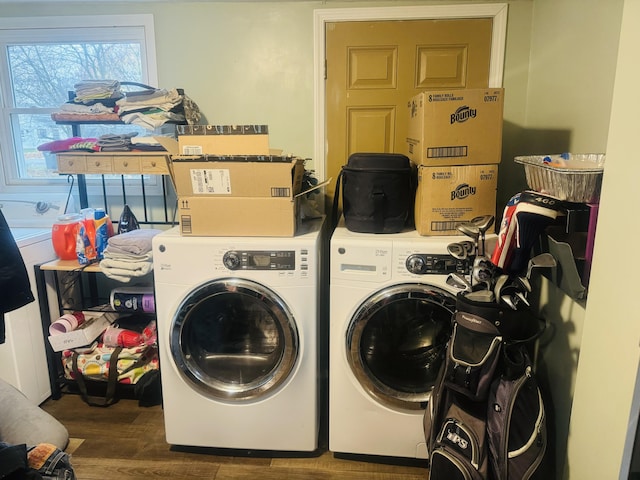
(374, 68)
(440, 67)
(361, 121)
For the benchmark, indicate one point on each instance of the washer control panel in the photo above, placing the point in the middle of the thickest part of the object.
(260, 259)
(430, 264)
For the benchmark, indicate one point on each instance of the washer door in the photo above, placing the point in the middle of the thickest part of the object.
(396, 342)
(234, 339)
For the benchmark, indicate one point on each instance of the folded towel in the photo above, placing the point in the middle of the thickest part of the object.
(124, 271)
(144, 266)
(134, 242)
(127, 257)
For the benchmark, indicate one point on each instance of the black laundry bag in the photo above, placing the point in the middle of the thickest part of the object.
(378, 193)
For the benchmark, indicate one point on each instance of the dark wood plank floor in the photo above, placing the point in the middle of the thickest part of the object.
(126, 442)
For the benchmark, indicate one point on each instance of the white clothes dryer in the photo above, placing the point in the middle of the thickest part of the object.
(390, 318)
(238, 323)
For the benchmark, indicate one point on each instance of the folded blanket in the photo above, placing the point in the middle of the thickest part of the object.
(135, 242)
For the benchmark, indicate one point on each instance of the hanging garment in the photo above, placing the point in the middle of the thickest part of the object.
(15, 288)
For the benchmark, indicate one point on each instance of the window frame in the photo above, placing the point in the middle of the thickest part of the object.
(137, 27)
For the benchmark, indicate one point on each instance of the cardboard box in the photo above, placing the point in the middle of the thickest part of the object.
(239, 195)
(456, 127)
(448, 196)
(270, 176)
(223, 139)
(246, 176)
(94, 325)
(238, 216)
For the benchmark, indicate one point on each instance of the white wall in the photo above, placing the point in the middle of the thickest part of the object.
(570, 86)
(605, 410)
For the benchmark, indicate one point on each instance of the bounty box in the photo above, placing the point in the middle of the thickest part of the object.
(448, 196)
(456, 127)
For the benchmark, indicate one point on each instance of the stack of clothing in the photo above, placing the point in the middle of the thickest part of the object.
(112, 142)
(73, 144)
(128, 255)
(146, 144)
(151, 108)
(88, 91)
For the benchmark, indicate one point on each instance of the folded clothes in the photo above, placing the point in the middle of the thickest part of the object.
(85, 109)
(127, 257)
(125, 271)
(135, 242)
(73, 143)
(138, 268)
(115, 143)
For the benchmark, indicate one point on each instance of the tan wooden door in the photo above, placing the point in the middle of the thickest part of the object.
(373, 68)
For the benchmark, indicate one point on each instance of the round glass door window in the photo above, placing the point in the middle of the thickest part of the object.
(396, 342)
(234, 339)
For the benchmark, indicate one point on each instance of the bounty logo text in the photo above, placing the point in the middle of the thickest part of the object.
(463, 191)
(462, 114)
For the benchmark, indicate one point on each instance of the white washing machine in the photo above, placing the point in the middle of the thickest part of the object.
(238, 321)
(390, 317)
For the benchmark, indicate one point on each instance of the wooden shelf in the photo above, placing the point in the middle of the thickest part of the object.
(69, 266)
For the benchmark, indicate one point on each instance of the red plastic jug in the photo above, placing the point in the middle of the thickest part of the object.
(63, 236)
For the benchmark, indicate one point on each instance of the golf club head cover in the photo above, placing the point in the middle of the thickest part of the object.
(525, 217)
(503, 249)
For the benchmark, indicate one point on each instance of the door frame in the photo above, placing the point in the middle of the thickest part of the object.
(496, 11)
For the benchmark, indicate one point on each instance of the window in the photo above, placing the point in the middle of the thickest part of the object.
(41, 60)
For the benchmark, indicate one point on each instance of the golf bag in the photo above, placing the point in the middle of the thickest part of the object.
(486, 417)
(378, 192)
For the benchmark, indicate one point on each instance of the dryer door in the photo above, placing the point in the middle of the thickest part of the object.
(396, 342)
(234, 339)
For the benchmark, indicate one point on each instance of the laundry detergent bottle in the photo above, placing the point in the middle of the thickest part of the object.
(63, 235)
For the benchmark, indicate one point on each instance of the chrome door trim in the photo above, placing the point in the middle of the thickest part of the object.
(212, 387)
(376, 302)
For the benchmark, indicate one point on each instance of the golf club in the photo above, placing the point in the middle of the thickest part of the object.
(457, 251)
(542, 260)
(458, 280)
(468, 246)
(472, 231)
(483, 223)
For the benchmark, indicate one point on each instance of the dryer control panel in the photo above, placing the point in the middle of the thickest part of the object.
(429, 264)
(260, 259)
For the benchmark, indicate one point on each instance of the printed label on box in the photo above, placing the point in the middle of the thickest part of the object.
(213, 181)
(192, 150)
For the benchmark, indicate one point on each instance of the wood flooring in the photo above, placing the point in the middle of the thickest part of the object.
(126, 442)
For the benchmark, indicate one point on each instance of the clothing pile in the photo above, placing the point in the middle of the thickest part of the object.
(73, 144)
(112, 142)
(87, 91)
(39, 462)
(149, 108)
(128, 255)
(94, 100)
